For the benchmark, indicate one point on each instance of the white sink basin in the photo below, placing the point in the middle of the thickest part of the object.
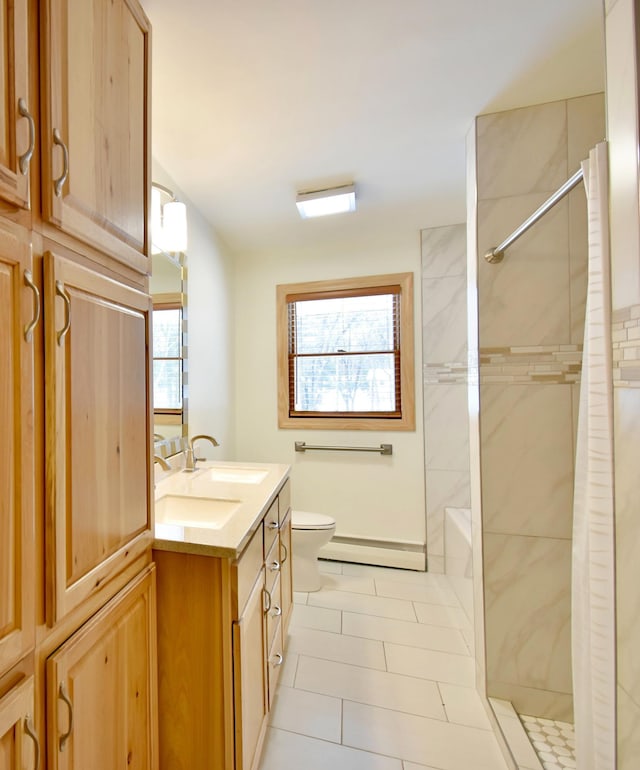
(232, 475)
(200, 512)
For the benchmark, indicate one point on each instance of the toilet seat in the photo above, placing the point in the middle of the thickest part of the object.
(305, 520)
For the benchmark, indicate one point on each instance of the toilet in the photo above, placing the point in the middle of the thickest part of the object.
(309, 532)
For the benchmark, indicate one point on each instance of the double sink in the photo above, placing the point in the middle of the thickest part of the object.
(217, 504)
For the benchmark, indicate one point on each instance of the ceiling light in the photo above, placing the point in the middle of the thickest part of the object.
(320, 203)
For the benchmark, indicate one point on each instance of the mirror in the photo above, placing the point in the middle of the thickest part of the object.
(168, 289)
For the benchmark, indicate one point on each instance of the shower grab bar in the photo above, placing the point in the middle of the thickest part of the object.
(383, 449)
(496, 254)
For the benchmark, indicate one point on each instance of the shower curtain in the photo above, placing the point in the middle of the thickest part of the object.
(592, 611)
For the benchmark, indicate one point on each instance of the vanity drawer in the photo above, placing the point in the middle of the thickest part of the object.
(274, 663)
(284, 501)
(274, 613)
(271, 526)
(249, 567)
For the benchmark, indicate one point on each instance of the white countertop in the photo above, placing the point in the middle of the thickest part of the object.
(242, 492)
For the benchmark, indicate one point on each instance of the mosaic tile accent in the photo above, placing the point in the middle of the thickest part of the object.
(553, 741)
(541, 364)
(625, 335)
(445, 372)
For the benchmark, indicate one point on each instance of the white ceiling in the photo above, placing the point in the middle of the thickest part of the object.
(254, 100)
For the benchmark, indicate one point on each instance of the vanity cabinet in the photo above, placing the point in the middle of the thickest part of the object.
(95, 113)
(17, 589)
(20, 747)
(101, 687)
(220, 651)
(98, 422)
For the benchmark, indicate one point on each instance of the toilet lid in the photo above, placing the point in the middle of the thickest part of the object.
(306, 520)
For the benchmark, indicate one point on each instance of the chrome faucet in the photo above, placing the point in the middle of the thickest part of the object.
(161, 462)
(189, 453)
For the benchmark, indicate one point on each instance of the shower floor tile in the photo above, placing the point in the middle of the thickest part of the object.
(553, 741)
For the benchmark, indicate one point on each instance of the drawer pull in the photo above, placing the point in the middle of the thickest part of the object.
(63, 695)
(286, 553)
(274, 566)
(277, 659)
(276, 611)
(272, 525)
(67, 307)
(28, 329)
(30, 731)
(59, 182)
(25, 159)
(266, 595)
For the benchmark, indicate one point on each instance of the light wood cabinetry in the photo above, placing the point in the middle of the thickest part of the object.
(95, 138)
(17, 589)
(101, 687)
(20, 747)
(76, 598)
(96, 342)
(221, 650)
(17, 128)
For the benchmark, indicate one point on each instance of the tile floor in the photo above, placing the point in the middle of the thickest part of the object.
(553, 741)
(379, 675)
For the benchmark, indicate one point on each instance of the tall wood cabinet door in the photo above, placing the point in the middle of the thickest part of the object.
(19, 306)
(102, 689)
(250, 678)
(98, 419)
(17, 128)
(19, 743)
(95, 124)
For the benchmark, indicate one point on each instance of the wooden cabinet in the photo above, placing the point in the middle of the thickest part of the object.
(101, 687)
(20, 747)
(96, 352)
(17, 312)
(95, 121)
(220, 652)
(17, 127)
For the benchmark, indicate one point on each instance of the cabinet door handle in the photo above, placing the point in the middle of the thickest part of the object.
(277, 659)
(30, 731)
(67, 305)
(28, 329)
(59, 182)
(286, 553)
(64, 697)
(266, 595)
(274, 566)
(276, 611)
(272, 525)
(24, 160)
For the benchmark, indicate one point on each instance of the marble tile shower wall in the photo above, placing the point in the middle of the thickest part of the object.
(446, 429)
(531, 320)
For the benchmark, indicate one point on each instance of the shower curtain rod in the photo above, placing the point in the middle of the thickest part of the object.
(496, 254)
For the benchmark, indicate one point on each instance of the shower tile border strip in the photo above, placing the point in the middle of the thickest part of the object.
(625, 335)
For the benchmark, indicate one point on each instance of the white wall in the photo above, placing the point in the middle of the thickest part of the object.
(370, 496)
(210, 330)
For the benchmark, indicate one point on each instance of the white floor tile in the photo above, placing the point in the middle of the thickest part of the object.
(407, 576)
(463, 706)
(428, 594)
(288, 670)
(288, 751)
(417, 739)
(343, 649)
(413, 766)
(363, 604)
(430, 664)
(435, 615)
(376, 688)
(404, 632)
(320, 618)
(307, 713)
(299, 597)
(330, 567)
(357, 584)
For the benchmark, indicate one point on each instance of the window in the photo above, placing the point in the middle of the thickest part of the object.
(345, 354)
(167, 359)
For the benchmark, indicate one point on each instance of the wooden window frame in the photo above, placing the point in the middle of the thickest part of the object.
(286, 293)
(170, 301)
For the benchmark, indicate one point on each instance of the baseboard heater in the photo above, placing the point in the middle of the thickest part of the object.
(383, 553)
